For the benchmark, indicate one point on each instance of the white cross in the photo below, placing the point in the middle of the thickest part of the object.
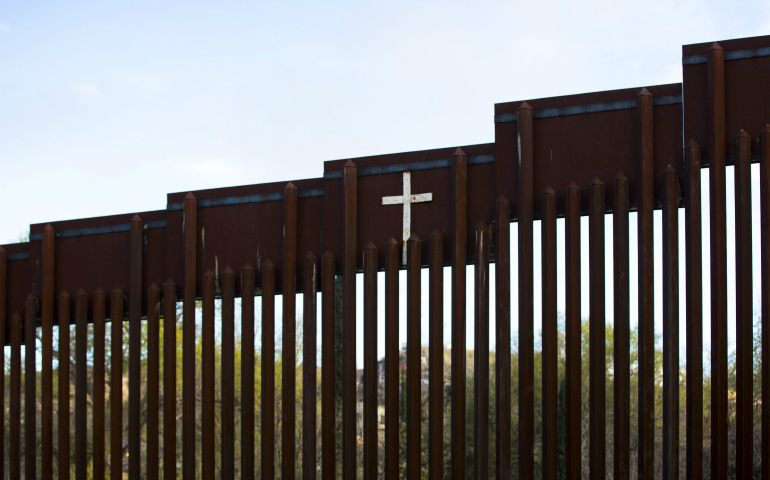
(407, 199)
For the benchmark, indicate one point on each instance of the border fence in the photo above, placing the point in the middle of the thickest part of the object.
(595, 154)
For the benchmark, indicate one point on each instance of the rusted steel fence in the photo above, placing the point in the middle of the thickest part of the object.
(588, 155)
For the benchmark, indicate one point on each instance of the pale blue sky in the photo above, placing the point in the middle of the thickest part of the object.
(106, 108)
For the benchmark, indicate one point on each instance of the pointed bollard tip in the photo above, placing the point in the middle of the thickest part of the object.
(525, 106)
(692, 144)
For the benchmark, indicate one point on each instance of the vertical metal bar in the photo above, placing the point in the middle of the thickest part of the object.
(169, 379)
(188, 337)
(46, 373)
(459, 234)
(153, 381)
(717, 206)
(81, 384)
(228, 374)
(2, 354)
(481, 355)
(208, 388)
(597, 357)
(30, 383)
(621, 354)
(349, 185)
(744, 317)
(309, 369)
(392, 265)
(503, 340)
(14, 413)
(64, 387)
(370, 361)
(135, 349)
(550, 336)
(764, 189)
(328, 307)
(289, 336)
(436, 356)
(98, 401)
(247, 371)
(413, 354)
(670, 189)
(645, 201)
(526, 296)
(694, 306)
(572, 326)
(268, 370)
(116, 383)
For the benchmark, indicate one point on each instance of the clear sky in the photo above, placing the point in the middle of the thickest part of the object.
(107, 107)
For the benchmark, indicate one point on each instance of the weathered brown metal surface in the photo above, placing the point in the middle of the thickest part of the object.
(572, 324)
(208, 387)
(370, 362)
(502, 241)
(481, 354)
(349, 268)
(81, 384)
(436, 355)
(268, 368)
(392, 262)
(413, 354)
(153, 381)
(248, 288)
(64, 388)
(645, 188)
(227, 433)
(670, 186)
(694, 308)
(289, 333)
(309, 369)
(169, 379)
(135, 349)
(116, 383)
(744, 317)
(717, 206)
(99, 299)
(30, 386)
(458, 238)
(3, 336)
(328, 308)
(597, 320)
(622, 349)
(188, 336)
(764, 195)
(14, 412)
(550, 369)
(46, 371)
